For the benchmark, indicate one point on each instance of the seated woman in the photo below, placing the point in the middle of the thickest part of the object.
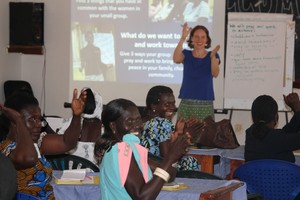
(91, 126)
(263, 139)
(26, 146)
(124, 169)
(159, 131)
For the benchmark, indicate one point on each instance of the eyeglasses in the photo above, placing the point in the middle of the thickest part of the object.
(32, 122)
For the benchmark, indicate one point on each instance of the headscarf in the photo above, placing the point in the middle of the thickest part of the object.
(99, 107)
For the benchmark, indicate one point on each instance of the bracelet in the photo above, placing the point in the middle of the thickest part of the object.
(162, 174)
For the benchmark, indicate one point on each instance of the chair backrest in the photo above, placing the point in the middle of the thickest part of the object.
(23, 196)
(11, 86)
(273, 179)
(68, 161)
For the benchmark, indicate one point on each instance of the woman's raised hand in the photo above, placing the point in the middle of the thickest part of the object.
(213, 55)
(292, 100)
(180, 124)
(78, 104)
(185, 30)
(11, 114)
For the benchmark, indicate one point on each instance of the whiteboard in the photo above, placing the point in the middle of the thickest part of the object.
(259, 58)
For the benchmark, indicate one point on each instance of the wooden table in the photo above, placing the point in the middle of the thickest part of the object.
(207, 158)
(206, 162)
(198, 189)
(223, 193)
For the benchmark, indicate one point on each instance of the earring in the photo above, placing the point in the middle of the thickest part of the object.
(154, 110)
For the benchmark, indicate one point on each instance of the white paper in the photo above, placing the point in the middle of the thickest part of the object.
(74, 174)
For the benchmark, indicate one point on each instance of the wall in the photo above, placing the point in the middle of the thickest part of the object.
(57, 42)
(30, 67)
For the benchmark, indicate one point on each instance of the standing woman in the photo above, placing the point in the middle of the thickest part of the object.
(200, 66)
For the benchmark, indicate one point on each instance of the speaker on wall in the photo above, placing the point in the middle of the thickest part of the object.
(26, 24)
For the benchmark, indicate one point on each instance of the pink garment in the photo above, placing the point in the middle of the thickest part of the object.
(124, 157)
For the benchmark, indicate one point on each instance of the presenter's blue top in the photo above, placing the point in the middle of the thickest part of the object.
(197, 82)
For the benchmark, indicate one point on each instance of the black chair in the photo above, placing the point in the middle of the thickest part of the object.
(10, 86)
(68, 161)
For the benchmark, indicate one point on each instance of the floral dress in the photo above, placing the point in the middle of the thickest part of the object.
(35, 180)
(159, 130)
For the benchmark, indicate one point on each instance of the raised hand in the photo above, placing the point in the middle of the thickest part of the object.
(191, 121)
(11, 114)
(185, 30)
(78, 104)
(193, 130)
(215, 51)
(215, 61)
(180, 124)
(292, 100)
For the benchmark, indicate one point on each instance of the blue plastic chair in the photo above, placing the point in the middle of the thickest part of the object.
(273, 179)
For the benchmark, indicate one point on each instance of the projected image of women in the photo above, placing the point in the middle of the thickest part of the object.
(91, 63)
(164, 11)
(154, 8)
(196, 11)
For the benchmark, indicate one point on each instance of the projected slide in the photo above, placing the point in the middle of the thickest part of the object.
(131, 40)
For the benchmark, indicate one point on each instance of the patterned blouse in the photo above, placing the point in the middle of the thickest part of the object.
(35, 180)
(155, 131)
(159, 130)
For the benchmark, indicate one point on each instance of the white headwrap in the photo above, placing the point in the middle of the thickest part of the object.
(98, 109)
(96, 114)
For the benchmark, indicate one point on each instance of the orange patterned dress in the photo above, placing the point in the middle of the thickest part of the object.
(35, 180)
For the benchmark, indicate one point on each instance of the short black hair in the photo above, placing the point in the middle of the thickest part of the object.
(20, 100)
(153, 96)
(264, 108)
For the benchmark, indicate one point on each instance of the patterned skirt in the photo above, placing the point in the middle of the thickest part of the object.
(195, 108)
